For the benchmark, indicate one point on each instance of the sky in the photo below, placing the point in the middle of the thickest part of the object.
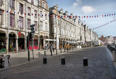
(91, 8)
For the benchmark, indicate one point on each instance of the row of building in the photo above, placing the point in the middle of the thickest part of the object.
(108, 40)
(51, 24)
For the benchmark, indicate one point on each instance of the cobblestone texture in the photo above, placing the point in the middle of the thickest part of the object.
(100, 67)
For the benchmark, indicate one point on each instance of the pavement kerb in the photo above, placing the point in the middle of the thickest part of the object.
(17, 65)
(114, 63)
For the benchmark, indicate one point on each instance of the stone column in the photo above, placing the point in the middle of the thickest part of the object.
(7, 43)
(17, 48)
(39, 42)
(25, 43)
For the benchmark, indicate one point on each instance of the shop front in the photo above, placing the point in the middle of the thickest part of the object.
(2, 42)
(21, 43)
(12, 42)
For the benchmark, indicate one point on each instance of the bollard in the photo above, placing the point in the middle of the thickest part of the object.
(62, 61)
(8, 56)
(85, 61)
(44, 60)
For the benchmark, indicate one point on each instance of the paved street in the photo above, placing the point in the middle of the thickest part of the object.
(100, 67)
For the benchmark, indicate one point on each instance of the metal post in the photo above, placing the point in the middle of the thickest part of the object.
(28, 47)
(32, 45)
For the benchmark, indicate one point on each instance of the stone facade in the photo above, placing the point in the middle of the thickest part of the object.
(63, 28)
(16, 16)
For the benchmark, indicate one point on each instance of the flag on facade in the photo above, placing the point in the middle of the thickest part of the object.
(19, 34)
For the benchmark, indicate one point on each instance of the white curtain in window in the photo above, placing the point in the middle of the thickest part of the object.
(20, 22)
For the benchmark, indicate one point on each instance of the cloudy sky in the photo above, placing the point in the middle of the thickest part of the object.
(91, 8)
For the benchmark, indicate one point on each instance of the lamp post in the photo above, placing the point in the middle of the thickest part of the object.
(32, 32)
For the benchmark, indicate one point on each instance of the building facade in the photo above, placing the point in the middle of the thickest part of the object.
(16, 16)
(63, 27)
(60, 27)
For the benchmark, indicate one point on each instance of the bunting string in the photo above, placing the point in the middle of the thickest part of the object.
(72, 17)
(114, 20)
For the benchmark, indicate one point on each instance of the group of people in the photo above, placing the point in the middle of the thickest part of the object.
(51, 47)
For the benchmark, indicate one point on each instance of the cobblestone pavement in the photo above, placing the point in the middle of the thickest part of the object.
(100, 67)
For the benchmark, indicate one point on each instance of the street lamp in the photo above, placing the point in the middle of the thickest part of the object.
(32, 33)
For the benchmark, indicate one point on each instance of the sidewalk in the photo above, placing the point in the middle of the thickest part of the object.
(21, 58)
(111, 55)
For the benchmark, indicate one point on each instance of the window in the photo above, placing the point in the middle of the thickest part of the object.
(20, 22)
(32, 1)
(43, 4)
(21, 8)
(35, 13)
(41, 14)
(12, 20)
(36, 2)
(1, 2)
(29, 11)
(35, 25)
(1, 17)
(46, 16)
(46, 27)
(28, 23)
(12, 4)
(41, 25)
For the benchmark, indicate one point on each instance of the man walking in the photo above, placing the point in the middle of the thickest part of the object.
(51, 48)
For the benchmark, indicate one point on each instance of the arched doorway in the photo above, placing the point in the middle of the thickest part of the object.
(2, 42)
(41, 42)
(36, 42)
(21, 43)
(12, 42)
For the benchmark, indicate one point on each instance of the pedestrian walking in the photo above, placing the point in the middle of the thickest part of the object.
(54, 47)
(46, 46)
(51, 48)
